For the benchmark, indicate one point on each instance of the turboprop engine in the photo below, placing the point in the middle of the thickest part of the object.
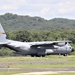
(62, 44)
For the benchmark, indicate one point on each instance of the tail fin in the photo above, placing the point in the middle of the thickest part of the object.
(3, 39)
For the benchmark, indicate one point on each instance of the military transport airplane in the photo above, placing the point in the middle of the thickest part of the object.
(36, 48)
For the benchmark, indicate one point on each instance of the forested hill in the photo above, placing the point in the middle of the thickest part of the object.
(12, 22)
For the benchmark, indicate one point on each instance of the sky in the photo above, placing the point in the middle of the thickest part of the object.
(47, 9)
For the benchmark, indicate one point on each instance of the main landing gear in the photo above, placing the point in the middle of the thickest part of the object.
(37, 55)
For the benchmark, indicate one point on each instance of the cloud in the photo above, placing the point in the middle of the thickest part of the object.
(66, 7)
(43, 8)
(11, 4)
(44, 11)
(7, 7)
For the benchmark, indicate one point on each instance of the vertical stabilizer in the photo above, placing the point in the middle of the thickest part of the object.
(2, 35)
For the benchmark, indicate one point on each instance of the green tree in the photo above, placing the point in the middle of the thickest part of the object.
(6, 52)
(23, 36)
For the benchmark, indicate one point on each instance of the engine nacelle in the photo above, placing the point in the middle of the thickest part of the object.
(61, 44)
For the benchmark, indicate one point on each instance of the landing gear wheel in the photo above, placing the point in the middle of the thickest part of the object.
(64, 54)
(38, 55)
(32, 55)
(43, 55)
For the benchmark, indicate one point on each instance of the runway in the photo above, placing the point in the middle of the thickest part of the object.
(36, 69)
(45, 73)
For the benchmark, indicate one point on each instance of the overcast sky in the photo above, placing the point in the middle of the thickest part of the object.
(47, 9)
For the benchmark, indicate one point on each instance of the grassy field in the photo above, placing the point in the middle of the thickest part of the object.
(52, 57)
(57, 62)
(8, 73)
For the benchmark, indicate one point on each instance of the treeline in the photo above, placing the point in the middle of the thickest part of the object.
(51, 35)
(29, 36)
(28, 29)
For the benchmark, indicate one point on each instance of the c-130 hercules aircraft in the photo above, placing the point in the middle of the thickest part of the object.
(36, 48)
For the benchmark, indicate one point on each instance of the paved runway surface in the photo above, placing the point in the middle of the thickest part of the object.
(43, 73)
(36, 69)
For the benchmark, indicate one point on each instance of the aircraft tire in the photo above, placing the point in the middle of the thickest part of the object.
(38, 55)
(43, 55)
(32, 55)
(64, 54)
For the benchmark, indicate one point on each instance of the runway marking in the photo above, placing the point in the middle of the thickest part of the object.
(44, 73)
(38, 73)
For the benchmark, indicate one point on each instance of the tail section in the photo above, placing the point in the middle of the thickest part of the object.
(3, 39)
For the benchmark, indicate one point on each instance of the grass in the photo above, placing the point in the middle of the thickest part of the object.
(68, 62)
(18, 59)
(8, 73)
(54, 65)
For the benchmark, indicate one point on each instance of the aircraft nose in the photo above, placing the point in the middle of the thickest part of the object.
(72, 50)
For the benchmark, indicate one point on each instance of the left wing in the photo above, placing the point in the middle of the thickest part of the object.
(47, 43)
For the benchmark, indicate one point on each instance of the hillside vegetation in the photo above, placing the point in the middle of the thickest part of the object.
(13, 22)
(29, 36)
(26, 28)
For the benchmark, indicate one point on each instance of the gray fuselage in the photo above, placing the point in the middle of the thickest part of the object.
(25, 48)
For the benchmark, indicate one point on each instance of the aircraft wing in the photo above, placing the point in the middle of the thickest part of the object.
(48, 43)
(2, 43)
